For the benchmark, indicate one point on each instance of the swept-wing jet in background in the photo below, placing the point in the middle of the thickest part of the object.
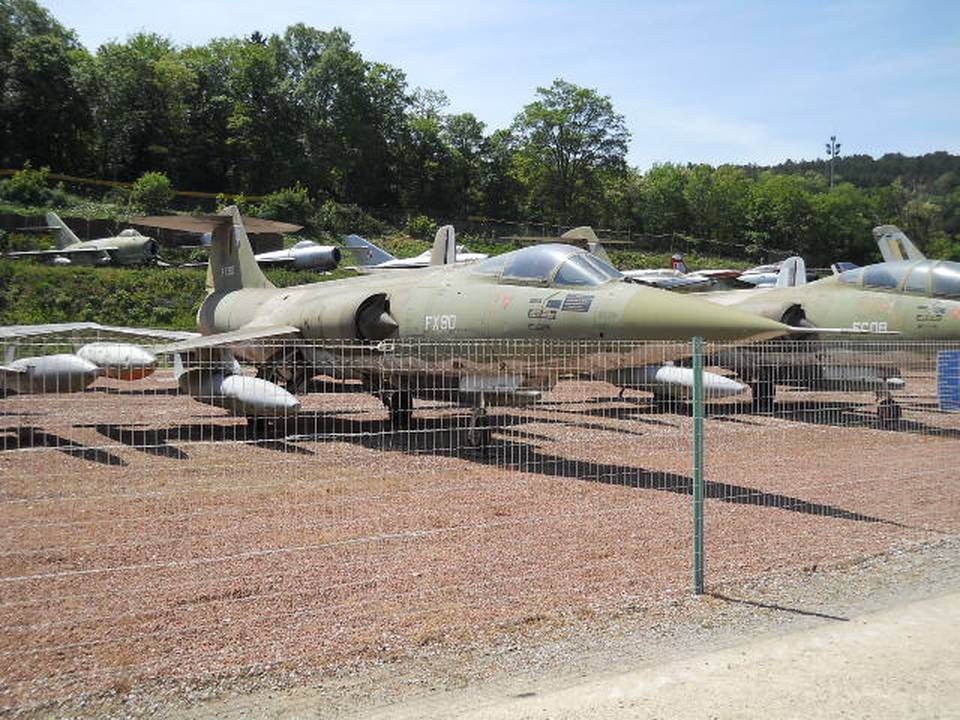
(676, 277)
(127, 248)
(679, 277)
(371, 258)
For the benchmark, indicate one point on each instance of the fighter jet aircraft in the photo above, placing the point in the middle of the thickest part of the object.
(676, 277)
(913, 299)
(371, 258)
(127, 248)
(304, 255)
(551, 291)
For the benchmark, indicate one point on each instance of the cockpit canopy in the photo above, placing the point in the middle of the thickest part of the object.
(549, 264)
(939, 278)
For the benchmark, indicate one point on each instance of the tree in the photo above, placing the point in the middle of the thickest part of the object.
(567, 140)
(48, 117)
(463, 134)
(139, 90)
(780, 214)
(44, 117)
(663, 202)
(717, 201)
(427, 173)
(499, 186)
(841, 226)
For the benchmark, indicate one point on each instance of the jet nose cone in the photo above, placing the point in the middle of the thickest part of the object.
(661, 315)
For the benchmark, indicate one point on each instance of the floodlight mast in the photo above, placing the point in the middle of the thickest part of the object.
(833, 152)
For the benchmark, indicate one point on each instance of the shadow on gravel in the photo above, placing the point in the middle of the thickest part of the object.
(843, 414)
(151, 442)
(25, 437)
(779, 608)
(157, 441)
(449, 436)
(133, 392)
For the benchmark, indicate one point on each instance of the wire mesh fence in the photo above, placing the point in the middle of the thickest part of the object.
(395, 496)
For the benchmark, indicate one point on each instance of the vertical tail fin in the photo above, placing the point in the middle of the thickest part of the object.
(586, 234)
(232, 265)
(793, 273)
(65, 236)
(444, 247)
(895, 245)
(366, 253)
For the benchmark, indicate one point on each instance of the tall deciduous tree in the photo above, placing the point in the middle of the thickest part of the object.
(44, 116)
(568, 139)
(463, 134)
(664, 205)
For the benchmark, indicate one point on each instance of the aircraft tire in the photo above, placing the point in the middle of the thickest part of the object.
(764, 396)
(479, 434)
(889, 412)
(400, 405)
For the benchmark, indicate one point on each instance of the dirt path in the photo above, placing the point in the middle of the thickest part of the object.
(900, 663)
(879, 638)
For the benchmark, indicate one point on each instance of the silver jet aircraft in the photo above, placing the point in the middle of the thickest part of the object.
(371, 258)
(127, 248)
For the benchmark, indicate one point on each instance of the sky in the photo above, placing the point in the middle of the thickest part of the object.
(714, 82)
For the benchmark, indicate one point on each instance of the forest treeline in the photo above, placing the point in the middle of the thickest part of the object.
(334, 135)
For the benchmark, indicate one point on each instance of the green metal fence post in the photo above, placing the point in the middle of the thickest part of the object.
(698, 412)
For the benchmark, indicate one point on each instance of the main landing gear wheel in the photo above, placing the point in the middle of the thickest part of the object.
(889, 412)
(478, 436)
(666, 403)
(400, 406)
(764, 396)
(271, 427)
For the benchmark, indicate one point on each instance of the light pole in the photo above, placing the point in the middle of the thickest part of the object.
(833, 151)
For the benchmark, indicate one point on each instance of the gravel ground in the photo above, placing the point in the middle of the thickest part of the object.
(146, 559)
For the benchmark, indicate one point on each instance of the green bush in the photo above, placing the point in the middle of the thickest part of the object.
(292, 204)
(422, 227)
(33, 293)
(28, 187)
(339, 220)
(152, 192)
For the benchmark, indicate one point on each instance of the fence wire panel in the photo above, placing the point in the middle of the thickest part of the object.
(840, 451)
(322, 503)
(421, 493)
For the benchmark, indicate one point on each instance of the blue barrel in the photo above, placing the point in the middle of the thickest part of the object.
(948, 379)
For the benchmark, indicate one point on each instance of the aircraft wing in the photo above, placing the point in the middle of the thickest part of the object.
(673, 282)
(207, 223)
(64, 251)
(243, 336)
